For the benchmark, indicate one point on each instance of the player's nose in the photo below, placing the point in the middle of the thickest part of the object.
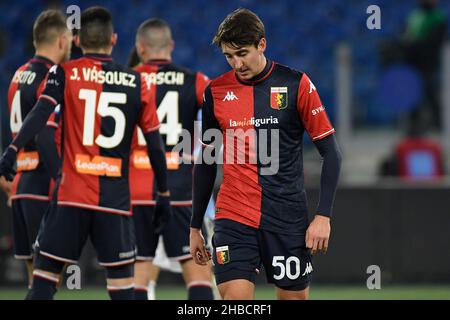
(237, 63)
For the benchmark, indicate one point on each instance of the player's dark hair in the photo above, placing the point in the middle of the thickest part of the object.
(48, 26)
(96, 28)
(240, 28)
(158, 40)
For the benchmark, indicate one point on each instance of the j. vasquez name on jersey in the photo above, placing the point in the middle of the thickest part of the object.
(101, 76)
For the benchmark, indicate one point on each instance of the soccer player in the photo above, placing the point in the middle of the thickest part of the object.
(261, 213)
(31, 186)
(101, 103)
(179, 94)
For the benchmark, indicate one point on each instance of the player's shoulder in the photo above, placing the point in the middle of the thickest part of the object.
(179, 68)
(123, 68)
(225, 79)
(287, 71)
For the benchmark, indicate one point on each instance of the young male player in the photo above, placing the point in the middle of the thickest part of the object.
(261, 213)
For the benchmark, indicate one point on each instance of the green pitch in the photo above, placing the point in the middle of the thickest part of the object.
(267, 293)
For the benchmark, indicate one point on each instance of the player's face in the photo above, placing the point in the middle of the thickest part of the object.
(247, 61)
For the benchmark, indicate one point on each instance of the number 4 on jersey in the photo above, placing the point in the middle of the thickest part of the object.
(168, 116)
(15, 120)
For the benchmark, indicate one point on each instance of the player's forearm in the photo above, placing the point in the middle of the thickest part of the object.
(203, 184)
(34, 122)
(5, 133)
(331, 168)
(156, 153)
(45, 141)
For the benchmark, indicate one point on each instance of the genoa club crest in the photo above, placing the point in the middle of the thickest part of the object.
(223, 255)
(278, 97)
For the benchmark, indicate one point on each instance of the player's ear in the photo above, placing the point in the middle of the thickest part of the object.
(172, 45)
(140, 49)
(262, 45)
(113, 39)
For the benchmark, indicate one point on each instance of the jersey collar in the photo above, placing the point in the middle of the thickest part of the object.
(42, 59)
(98, 56)
(153, 62)
(259, 77)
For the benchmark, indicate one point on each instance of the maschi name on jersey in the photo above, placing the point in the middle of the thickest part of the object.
(168, 78)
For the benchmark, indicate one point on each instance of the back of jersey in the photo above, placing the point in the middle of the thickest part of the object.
(32, 180)
(179, 94)
(102, 103)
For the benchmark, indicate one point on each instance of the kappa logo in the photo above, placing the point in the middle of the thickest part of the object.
(230, 96)
(308, 269)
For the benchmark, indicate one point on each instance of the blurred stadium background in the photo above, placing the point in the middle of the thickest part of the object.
(381, 88)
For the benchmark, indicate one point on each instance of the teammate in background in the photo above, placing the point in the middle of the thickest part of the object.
(262, 218)
(31, 186)
(178, 96)
(101, 104)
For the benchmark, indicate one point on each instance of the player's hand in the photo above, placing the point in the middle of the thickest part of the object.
(199, 253)
(7, 162)
(162, 213)
(318, 234)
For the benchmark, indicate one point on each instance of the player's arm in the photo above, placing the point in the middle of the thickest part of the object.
(45, 141)
(157, 156)
(149, 124)
(319, 128)
(37, 118)
(331, 167)
(6, 137)
(203, 182)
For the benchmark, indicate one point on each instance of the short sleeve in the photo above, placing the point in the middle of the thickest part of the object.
(209, 120)
(54, 86)
(201, 82)
(148, 118)
(312, 111)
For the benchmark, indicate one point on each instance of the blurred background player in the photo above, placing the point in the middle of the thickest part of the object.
(160, 260)
(179, 94)
(262, 219)
(104, 101)
(31, 186)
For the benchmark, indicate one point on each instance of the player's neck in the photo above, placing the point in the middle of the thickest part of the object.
(262, 66)
(48, 54)
(157, 56)
(106, 51)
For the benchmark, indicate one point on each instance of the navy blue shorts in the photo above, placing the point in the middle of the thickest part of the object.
(27, 216)
(146, 239)
(67, 229)
(175, 235)
(240, 250)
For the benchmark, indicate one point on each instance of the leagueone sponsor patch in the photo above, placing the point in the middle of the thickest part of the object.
(98, 166)
(141, 161)
(27, 161)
